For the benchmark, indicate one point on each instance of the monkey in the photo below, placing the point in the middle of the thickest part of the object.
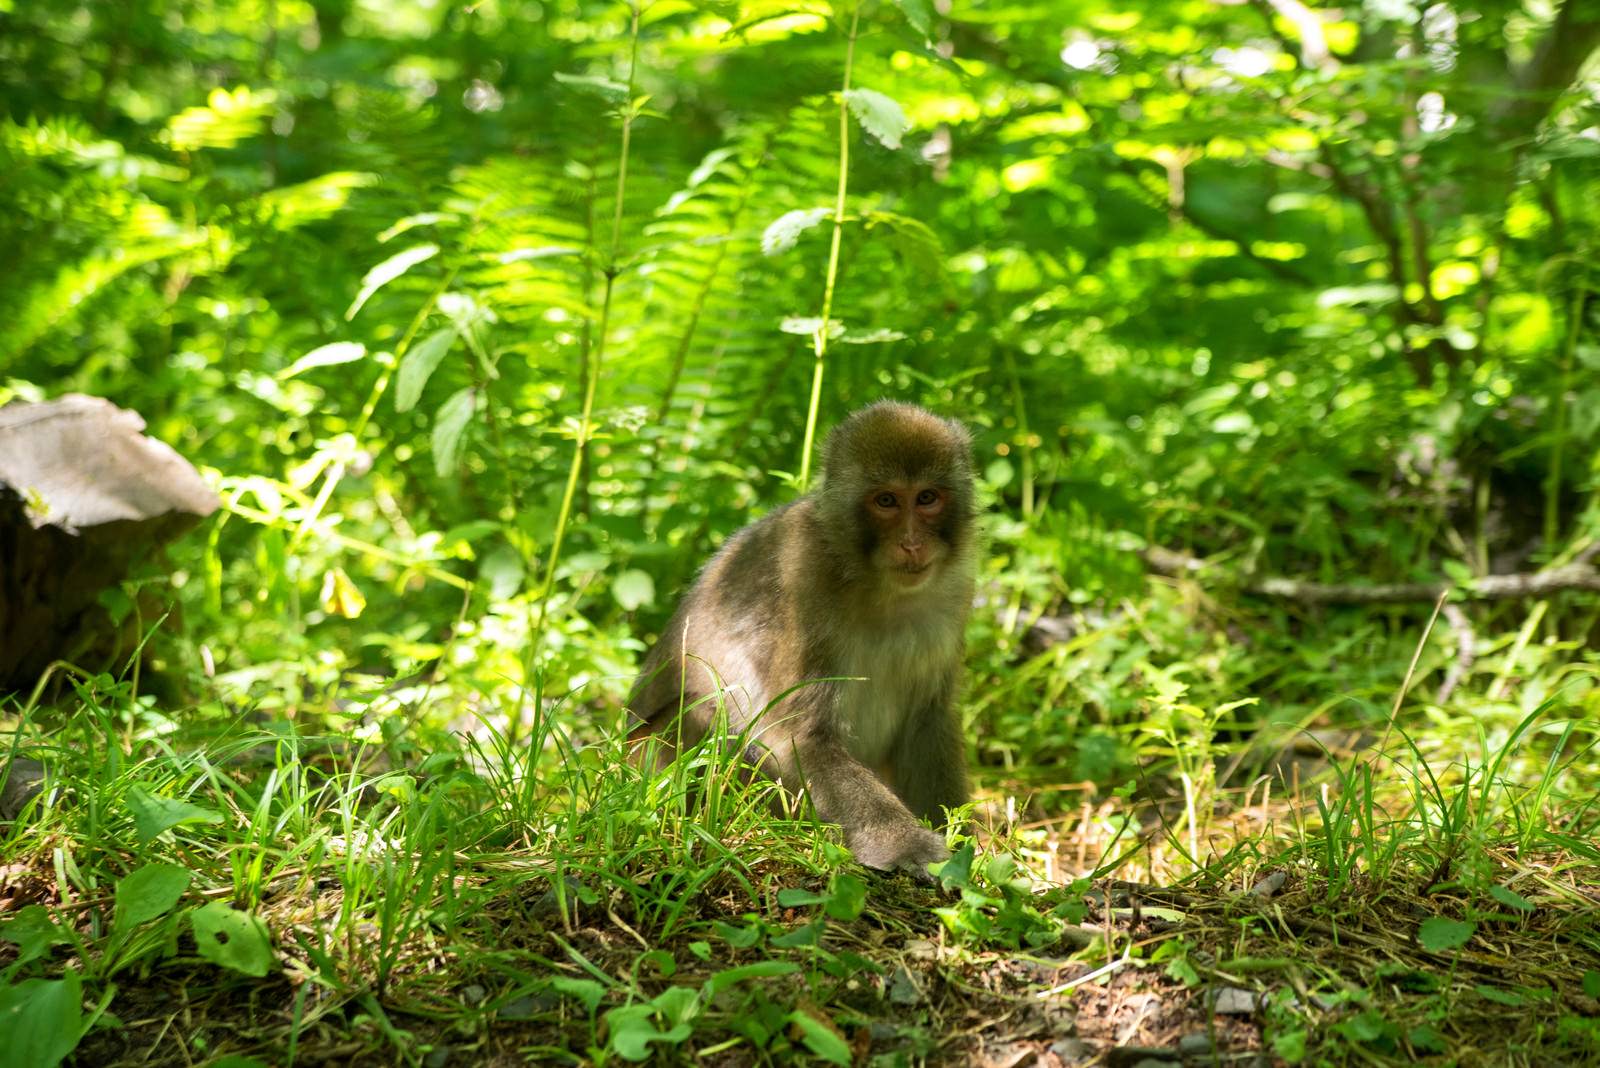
(831, 634)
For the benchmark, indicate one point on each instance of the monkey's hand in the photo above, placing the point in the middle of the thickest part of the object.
(900, 845)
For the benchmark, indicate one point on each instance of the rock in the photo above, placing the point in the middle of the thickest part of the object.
(23, 782)
(84, 495)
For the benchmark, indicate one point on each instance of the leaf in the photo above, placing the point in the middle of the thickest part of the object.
(808, 934)
(594, 85)
(761, 969)
(870, 337)
(148, 892)
(449, 425)
(341, 597)
(41, 1020)
(919, 13)
(956, 872)
(234, 939)
(226, 119)
(325, 356)
(1500, 997)
(1426, 1039)
(586, 991)
(879, 115)
(791, 897)
(517, 255)
(634, 589)
(807, 326)
(418, 365)
(737, 937)
(388, 271)
(34, 932)
(631, 1030)
(295, 205)
(504, 570)
(782, 232)
(1591, 983)
(847, 895)
(820, 1038)
(1439, 934)
(664, 963)
(153, 814)
(1510, 898)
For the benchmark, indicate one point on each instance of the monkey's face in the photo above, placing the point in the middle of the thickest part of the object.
(908, 523)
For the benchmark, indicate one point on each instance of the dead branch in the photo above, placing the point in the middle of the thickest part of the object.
(1579, 575)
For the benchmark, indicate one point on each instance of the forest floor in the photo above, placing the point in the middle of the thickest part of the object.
(760, 954)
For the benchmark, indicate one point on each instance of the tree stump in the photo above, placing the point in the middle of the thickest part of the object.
(84, 495)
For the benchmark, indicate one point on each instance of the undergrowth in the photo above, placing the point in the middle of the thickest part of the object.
(351, 879)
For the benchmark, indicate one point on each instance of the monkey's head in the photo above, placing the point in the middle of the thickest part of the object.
(897, 494)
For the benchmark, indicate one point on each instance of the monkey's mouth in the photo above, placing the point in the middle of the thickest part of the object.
(912, 576)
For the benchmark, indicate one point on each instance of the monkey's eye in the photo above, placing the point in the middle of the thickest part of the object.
(927, 498)
(885, 501)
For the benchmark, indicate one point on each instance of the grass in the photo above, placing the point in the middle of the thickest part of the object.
(222, 886)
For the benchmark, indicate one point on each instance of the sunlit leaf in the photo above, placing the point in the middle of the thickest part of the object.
(325, 356)
(339, 596)
(879, 115)
(595, 85)
(634, 589)
(309, 201)
(919, 13)
(227, 118)
(418, 365)
(781, 234)
(388, 271)
(449, 429)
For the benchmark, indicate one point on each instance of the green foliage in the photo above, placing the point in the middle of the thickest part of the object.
(489, 321)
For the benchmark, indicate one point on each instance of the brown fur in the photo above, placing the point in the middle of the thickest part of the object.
(832, 588)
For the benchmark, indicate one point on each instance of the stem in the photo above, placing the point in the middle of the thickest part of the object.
(820, 340)
(1024, 435)
(1552, 482)
(593, 376)
(336, 470)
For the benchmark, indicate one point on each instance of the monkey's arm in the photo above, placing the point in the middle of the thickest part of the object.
(878, 828)
(928, 764)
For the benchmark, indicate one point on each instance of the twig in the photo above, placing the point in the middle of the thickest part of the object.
(1466, 650)
(1579, 575)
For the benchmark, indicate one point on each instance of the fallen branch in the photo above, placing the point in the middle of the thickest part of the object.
(1579, 575)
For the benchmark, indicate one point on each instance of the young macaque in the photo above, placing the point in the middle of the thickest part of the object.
(864, 584)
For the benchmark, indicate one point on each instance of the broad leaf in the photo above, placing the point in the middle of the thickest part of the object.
(879, 115)
(325, 356)
(238, 940)
(41, 1020)
(388, 271)
(418, 365)
(782, 232)
(147, 893)
(1440, 934)
(449, 427)
(153, 814)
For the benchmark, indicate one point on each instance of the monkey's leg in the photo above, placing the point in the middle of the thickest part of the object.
(880, 831)
(928, 764)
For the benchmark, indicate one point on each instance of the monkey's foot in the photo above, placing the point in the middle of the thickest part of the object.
(903, 847)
